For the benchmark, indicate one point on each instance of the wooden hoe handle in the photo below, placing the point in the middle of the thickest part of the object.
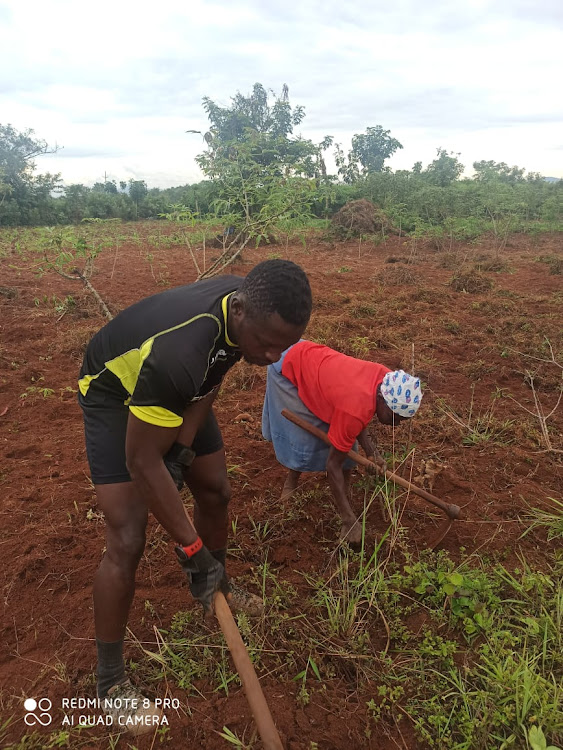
(262, 716)
(452, 511)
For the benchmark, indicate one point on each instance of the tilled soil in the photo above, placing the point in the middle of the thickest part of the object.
(472, 350)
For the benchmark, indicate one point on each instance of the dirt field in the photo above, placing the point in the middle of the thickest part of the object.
(471, 349)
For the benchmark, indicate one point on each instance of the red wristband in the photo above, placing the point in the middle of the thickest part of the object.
(191, 549)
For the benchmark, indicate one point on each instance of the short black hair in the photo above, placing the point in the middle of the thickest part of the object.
(278, 286)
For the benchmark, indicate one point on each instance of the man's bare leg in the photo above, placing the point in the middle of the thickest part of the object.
(126, 515)
(209, 484)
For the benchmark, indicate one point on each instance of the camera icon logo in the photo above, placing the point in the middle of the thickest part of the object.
(37, 712)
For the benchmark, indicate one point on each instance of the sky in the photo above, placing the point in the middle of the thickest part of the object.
(116, 84)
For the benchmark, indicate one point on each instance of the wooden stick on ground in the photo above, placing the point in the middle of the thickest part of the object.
(262, 716)
(452, 511)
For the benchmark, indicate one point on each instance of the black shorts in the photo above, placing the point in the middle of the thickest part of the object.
(105, 427)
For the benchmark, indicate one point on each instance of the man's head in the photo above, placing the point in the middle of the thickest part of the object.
(270, 310)
(398, 397)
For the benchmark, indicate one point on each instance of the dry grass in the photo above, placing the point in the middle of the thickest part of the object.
(358, 218)
(471, 281)
(397, 276)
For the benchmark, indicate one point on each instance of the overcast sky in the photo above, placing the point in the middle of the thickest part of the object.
(118, 83)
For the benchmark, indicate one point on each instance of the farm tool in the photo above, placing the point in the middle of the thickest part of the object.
(451, 511)
(254, 695)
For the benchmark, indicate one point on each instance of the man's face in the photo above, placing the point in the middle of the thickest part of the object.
(262, 340)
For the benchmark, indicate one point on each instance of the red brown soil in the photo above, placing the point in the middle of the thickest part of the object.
(50, 546)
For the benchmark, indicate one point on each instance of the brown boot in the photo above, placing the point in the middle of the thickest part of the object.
(243, 601)
(238, 598)
(130, 710)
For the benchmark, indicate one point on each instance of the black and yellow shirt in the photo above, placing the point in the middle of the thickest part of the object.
(164, 352)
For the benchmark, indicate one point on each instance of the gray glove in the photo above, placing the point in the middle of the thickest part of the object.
(178, 460)
(205, 574)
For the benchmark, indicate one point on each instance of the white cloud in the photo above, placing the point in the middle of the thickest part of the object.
(119, 83)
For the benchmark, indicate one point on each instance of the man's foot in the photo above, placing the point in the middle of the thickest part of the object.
(351, 532)
(130, 710)
(241, 600)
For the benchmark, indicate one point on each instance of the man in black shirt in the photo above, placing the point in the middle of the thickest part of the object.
(147, 385)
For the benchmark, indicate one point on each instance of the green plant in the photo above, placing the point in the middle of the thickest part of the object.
(537, 741)
(483, 427)
(303, 696)
(469, 595)
(234, 740)
(32, 390)
(549, 518)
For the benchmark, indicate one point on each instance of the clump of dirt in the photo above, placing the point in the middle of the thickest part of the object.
(397, 275)
(470, 280)
(360, 217)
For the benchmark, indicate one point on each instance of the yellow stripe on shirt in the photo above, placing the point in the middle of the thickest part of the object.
(156, 415)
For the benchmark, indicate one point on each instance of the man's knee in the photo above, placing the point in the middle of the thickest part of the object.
(126, 545)
(215, 498)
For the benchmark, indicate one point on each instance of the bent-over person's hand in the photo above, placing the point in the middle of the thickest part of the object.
(206, 576)
(380, 465)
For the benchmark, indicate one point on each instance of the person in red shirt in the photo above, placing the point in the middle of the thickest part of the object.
(340, 395)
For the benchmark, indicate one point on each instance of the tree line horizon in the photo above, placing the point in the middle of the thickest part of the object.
(254, 168)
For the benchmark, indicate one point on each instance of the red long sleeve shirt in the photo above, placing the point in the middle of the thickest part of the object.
(338, 389)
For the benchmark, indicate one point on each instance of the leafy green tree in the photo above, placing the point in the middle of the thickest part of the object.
(369, 152)
(75, 202)
(267, 129)
(251, 151)
(444, 170)
(25, 198)
(252, 112)
(487, 171)
(137, 192)
(262, 173)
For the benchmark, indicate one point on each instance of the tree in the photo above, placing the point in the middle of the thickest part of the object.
(24, 197)
(250, 146)
(76, 201)
(137, 192)
(261, 171)
(368, 154)
(445, 169)
(267, 128)
(486, 171)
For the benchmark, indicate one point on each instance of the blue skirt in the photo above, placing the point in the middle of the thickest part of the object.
(294, 447)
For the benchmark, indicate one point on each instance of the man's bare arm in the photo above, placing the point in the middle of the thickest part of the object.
(145, 446)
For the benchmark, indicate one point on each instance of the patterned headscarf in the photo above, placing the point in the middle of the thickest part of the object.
(401, 392)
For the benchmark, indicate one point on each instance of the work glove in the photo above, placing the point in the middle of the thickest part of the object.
(178, 460)
(205, 574)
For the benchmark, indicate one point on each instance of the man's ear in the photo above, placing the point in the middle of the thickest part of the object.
(237, 307)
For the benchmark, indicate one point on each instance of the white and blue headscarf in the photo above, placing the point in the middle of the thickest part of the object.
(402, 392)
